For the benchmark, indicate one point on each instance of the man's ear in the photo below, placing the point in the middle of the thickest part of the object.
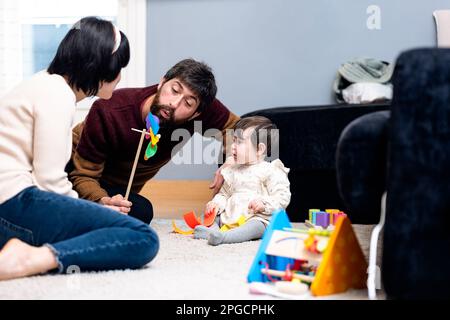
(161, 82)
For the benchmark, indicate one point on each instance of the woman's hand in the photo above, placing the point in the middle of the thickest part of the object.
(117, 203)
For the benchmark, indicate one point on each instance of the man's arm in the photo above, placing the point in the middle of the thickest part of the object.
(227, 139)
(85, 178)
(89, 154)
(86, 174)
(219, 202)
(219, 117)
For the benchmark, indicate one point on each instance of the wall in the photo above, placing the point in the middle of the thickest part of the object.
(268, 53)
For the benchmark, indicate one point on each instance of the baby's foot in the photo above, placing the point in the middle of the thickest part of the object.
(202, 232)
(216, 238)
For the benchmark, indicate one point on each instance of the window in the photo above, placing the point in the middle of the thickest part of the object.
(44, 24)
(31, 30)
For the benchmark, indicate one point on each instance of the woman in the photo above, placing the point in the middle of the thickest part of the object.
(43, 226)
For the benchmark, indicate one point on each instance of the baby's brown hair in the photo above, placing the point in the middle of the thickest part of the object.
(265, 131)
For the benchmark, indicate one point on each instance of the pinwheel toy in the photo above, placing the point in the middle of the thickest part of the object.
(152, 124)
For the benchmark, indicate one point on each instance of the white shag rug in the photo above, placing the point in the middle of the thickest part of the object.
(184, 269)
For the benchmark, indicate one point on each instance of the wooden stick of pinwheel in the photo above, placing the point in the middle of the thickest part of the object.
(136, 159)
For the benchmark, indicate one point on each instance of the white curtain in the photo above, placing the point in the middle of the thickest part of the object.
(132, 20)
(10, 45)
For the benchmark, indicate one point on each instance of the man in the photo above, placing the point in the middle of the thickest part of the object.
(104, 146)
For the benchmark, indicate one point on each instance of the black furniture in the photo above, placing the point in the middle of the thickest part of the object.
(308, 142)
(361, 159)
(407, 153)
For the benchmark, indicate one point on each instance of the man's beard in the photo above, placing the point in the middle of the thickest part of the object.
(156, 109)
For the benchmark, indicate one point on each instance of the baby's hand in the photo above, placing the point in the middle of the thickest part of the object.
(211, 206)
(256, 206)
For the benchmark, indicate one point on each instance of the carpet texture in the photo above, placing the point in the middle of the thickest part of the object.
(184, 269)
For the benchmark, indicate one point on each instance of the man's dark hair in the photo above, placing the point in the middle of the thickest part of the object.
(264, 131)
(86, 57)
(198, 77)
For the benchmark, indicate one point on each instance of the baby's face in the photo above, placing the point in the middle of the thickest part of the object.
(243, 150)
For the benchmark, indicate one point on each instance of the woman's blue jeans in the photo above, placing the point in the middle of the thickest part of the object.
(81, 234)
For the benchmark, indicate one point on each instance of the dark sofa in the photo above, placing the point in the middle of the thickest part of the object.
(308, 142)
(412, 164)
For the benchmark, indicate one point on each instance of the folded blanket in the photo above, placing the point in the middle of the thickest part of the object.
(442, 18)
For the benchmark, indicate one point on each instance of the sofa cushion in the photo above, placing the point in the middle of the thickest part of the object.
(361, 166)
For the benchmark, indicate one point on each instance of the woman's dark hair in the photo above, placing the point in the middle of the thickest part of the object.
(198, 77)
(86, 57)
(265, 131)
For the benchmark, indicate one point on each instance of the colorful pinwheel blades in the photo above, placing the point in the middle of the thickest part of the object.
(152, 123)
(150, 151)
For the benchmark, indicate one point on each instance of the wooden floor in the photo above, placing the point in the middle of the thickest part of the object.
(173, 198)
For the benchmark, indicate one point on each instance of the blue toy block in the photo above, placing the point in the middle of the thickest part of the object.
(279, 221)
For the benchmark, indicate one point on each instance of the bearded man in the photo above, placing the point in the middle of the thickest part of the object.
(104, 145)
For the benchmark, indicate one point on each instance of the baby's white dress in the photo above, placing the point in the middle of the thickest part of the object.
(267, 181)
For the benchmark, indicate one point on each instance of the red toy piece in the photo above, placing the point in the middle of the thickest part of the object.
(210, 216)
(191, 219)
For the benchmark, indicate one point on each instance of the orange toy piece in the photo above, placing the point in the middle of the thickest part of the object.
(343, 265)
(191, 219)
(210, 216)
(178, 230)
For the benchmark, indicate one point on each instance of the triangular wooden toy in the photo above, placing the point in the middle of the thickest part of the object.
(343, 265)
(329, 261)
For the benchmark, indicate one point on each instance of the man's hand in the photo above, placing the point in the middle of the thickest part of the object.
(218, 178)
(256, 206)
(117, 203)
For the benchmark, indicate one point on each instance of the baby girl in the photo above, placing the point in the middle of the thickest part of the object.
(253, 188)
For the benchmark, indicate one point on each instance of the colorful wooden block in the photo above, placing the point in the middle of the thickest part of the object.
(322, 219)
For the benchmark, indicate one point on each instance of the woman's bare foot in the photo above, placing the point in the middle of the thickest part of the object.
(18, 259)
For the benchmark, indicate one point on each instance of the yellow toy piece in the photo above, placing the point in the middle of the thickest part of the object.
(154, 139)
(309, 243)
(343, 265)
(178, 230)
(228, 227)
